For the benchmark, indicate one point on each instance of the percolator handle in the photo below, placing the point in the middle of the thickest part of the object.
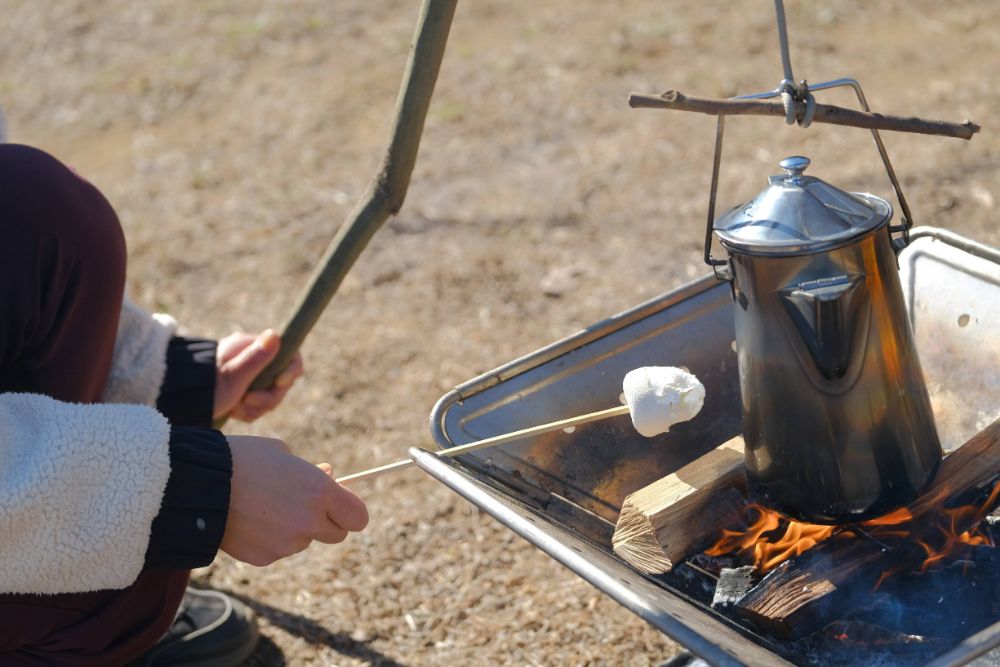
(721, 266)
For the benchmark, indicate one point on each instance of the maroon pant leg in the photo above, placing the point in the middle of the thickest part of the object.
(62, 275)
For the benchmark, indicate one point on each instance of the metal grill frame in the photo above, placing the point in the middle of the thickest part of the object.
(521, 497)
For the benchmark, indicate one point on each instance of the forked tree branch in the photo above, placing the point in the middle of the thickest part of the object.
(386, 191)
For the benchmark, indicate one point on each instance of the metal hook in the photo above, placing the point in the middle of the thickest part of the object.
(791, 93)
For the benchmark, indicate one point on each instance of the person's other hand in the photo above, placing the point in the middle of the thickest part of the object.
(238, 359)
(280, 504)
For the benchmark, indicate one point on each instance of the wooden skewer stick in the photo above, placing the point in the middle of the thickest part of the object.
(495, 440)
(825, 113)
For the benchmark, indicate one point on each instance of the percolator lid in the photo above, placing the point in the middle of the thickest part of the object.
(799, 214)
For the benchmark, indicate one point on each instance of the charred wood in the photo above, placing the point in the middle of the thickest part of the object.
(794, 597)
(734, 583)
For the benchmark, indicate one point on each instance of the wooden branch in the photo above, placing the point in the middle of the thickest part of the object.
(663, 523)
(825, 113)
(386, 191)
(790, 601)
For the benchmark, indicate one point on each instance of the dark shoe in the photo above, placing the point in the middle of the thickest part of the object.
(211, 630)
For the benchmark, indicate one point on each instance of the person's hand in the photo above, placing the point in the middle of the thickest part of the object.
(280, 504)
(238, 359)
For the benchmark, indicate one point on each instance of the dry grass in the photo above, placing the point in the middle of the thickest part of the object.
(233, 137)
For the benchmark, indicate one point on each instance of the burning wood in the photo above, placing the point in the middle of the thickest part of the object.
(794, 597)
(656, 521)
(756, 542)
(924, 535)
(790, 601)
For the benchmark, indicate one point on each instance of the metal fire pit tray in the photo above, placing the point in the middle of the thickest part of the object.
(562, 491)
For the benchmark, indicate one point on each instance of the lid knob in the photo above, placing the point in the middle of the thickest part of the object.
(794, 165)
(798, 215)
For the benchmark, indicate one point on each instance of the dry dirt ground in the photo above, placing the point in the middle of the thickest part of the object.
(234, 136)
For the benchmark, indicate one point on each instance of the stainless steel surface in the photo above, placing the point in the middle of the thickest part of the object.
(979, 650)
(795, 165)
(719, 266)
(596, 465)
(798, 214)
(952, 289)
(945, 277)
(712, 639)
(836, 418)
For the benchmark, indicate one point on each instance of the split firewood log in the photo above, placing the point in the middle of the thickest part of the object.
(663, 523)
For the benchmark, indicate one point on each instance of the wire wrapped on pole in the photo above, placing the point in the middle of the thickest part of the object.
(798, 102)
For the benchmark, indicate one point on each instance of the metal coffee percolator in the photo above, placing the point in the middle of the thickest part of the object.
(836, 417)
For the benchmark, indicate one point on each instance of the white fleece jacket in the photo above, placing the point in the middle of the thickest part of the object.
(81, 484)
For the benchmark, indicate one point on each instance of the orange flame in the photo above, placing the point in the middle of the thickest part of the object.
(766, 551)
(893, 518)
(957, 528)
(951, 531)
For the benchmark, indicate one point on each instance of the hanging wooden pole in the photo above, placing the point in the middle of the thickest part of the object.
(386, 191)
(825, 113)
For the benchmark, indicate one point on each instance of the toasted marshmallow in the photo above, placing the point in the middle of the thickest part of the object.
(660, 396)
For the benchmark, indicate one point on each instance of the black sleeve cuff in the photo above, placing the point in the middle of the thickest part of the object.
(192, 519)
(187, 396)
